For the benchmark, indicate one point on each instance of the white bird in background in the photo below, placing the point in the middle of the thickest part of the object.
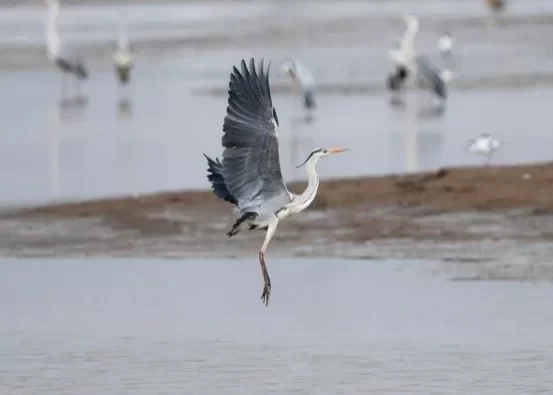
(402, 55)
(123, 56)
(249, 176)
(445, 43)
(67, 61)
(445, 46)
(485, 145)
(303, 79)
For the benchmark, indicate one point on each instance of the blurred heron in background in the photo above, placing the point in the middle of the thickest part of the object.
(485, 145)
(65, 59)
(408, 63)
(402, 54)
(249, 176)
(123, 55)
(302, 78)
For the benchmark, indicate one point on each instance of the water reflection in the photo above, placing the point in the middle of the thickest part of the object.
(66, 112)
(124, 109)
(54, 153)
(69, 110)
(422, 140)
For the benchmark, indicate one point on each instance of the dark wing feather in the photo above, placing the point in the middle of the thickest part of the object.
(215, 176)
(251, 165)
(429, 76)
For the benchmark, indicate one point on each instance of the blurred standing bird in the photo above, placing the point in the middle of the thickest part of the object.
(484, 145)
(402, 54)
(67, 61)
(249, 176)
(303, 79)
(123, 56)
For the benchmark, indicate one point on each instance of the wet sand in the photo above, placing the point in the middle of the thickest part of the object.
(484, 220)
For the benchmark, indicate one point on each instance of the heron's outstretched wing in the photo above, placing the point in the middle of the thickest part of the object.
(428, 75)
(251, 166)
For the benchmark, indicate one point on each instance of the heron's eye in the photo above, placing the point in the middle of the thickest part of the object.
(325, 151)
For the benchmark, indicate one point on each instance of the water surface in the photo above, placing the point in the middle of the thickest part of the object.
(333, 326)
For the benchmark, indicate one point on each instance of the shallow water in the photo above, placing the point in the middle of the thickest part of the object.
(176, 103)
(50, 154)
(333, 326)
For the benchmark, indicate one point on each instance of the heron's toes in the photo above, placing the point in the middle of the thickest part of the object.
(266, 293)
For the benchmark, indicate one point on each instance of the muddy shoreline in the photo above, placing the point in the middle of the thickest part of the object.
(483, 223)
(447, 190)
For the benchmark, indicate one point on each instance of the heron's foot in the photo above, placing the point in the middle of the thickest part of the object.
(267, 280)
(266, 292)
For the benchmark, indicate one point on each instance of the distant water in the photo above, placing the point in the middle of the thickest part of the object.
(151, 135)
(333, 326)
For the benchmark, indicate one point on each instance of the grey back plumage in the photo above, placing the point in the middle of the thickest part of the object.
(428, 76)
(251, 165)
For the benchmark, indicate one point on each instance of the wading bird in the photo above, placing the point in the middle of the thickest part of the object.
(249, 176)
(402, 54)
(302, 77)
(484, 145)
(123, 56)
(67, 61)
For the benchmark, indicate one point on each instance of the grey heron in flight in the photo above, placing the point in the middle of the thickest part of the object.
(123, 55)
(249, 175)
(302, 78)
(401, 55)
(59, 54)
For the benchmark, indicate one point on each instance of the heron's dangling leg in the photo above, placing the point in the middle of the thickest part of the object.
(266, 279)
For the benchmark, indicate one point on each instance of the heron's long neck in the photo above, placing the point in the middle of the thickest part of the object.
(52, 36)
(409, 38)
(310, 192)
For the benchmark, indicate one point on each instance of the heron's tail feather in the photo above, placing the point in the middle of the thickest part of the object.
(215, 176)
(80, 70)
(236, 227)
(396, 79)
(124, 74)
(393, 83)
(441, 90)
(309, 100)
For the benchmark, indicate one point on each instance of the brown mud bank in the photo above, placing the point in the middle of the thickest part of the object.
(492, 222)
